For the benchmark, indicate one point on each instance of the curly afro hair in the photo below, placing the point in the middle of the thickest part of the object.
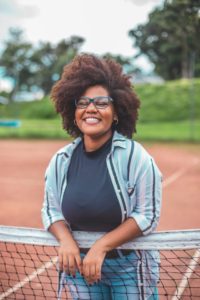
(87, 70)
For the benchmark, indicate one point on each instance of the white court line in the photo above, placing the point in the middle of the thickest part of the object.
(47, 265)
(29, 278)
(184, 282)
(179, 173)
(173, 177)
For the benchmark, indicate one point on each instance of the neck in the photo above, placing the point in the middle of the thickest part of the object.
(93, 143)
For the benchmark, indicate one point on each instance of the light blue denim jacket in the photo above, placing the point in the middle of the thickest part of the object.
(136, 180)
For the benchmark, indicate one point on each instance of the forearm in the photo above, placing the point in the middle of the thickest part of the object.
(68, 252)
(97, 253)
(61, 232)
(120, 235)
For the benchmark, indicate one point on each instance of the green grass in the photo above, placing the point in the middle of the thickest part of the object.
(181, 131)
(31, 129)
(164, 115)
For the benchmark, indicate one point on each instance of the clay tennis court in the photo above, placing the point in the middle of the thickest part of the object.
(23, 163)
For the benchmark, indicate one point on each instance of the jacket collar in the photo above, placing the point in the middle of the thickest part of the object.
(118, 140)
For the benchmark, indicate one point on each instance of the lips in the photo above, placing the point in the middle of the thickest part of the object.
(91, 120)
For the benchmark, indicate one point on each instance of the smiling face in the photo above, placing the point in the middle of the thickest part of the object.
(95, 123)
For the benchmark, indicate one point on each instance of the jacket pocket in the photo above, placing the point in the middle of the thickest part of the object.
(130, 189)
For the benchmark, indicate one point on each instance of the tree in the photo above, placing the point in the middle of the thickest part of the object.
(170, 38)
(35, 67)
(15, 59)
(126, 63)
(48, 60)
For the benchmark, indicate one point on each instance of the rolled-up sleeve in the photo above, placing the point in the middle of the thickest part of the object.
(148, 195)
(51, 210)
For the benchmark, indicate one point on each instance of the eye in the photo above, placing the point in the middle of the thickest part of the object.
(82, 102)
(101, 101)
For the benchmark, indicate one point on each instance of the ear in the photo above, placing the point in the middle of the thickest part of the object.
(115, 117)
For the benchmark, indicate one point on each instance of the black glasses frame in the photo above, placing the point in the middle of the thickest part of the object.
(93, 100)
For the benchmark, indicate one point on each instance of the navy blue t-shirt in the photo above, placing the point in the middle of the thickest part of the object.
(90, 202)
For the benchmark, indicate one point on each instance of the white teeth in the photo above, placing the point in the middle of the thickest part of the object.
(91, 120)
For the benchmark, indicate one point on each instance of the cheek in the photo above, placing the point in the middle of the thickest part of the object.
(109, 116)
(77, 115)
(77, 119)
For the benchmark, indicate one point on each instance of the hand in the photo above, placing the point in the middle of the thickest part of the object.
(69, 258)
(92, 263)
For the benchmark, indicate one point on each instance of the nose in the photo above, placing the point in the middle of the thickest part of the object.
(91, 107)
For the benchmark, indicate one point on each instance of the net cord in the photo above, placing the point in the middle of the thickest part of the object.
(162, 240)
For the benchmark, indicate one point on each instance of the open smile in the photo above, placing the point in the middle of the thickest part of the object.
(92, 120)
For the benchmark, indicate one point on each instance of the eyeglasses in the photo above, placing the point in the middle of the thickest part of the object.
(100, 102)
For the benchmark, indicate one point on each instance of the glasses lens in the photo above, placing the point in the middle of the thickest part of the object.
(101, 102)
(82, 102)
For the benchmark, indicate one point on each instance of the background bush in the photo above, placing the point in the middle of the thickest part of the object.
(42, 109)
(170, 101)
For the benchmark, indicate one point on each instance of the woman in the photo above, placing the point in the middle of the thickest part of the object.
(103, 181)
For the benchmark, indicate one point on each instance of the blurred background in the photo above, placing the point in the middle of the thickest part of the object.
(155, 41)
(157, 44)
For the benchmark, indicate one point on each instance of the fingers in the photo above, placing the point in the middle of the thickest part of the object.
(92, 271)
(71, 266)
(92, 274)
(63, 263)
(69, 262)
(98, 272)
(78, 263)
(89, 273)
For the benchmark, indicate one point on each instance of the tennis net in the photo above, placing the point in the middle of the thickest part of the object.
(28, 263)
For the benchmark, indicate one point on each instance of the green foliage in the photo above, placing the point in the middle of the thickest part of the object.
(15, 60)
(41, 109)
(165, 114)
(171, 101)
(35, 128)
(38, 109)
(125, 62)
(48, 60)
(170, 39)
(33, 68)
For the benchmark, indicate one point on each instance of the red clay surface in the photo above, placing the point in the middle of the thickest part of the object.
(23, 163)
(22, 167)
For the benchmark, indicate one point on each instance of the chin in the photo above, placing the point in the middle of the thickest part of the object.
(97, 133)
(93, 133)
(92, 130)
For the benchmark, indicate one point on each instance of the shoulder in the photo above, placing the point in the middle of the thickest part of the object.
(133, 156)
(63, 154)
(144, 161)
(140, 153)
(130, 147)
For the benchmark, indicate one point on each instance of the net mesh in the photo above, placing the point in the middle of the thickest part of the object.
(28, 268)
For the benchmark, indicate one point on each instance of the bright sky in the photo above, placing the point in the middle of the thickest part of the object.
(104, 23)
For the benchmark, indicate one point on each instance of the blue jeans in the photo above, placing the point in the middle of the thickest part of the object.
(119, 281)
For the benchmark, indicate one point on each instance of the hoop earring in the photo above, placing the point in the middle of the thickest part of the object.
(115, 121)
